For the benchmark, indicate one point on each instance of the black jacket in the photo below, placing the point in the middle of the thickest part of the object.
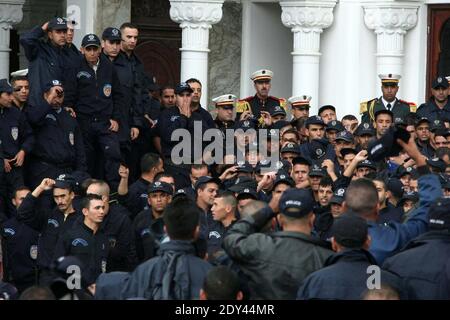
(95, 94)
(136, 198)
(424, 264)
(117, 228)
(431, 111)
(19, 249)
(46, 63)
(130, 72)
(275, 263)
(58, 137)
(148, 234)
(50, 224)
(90, 248)
(15, 132)
(175, 274)
(344, 277)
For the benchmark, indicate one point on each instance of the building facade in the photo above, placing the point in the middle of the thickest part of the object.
(331, 50)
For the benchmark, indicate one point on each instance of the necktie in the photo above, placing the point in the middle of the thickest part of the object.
(389, 106)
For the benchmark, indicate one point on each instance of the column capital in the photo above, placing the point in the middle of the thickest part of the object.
(197, 12)
(307, 15)
(11, 12)
(390, 16)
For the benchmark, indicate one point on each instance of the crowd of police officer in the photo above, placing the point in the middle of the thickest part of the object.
(89, 177)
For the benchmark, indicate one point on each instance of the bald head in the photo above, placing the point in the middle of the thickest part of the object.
(99, 187)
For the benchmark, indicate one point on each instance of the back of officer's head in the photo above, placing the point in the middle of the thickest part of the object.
(221, 284)
(149, 161)
(98, 187)
(181, 219)
(37, 293)
(361, 198)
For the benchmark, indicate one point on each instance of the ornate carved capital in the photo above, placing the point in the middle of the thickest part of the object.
(10, 12)
(307, 15)
(206, 12)
(390, 17)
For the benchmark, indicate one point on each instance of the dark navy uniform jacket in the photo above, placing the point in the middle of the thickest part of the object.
(95, 95)
(46, 62)
(15, 132)
(136, 198)
(118, 230)
(390, 213)
(216, 233)
(130, 73)
(50, 223)
(424, 264)
(58, 137)
(344, 277)
(90, 248)
(19, 245)
(171, 119)
(431, 111)
(72, 58)
(148, 234)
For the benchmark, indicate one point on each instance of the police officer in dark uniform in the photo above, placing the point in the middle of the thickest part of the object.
(117, 228)
(261, 101)
(59, 144)
(388, 101)
(129, 70)
(46, 58)
(438, 107)
(50, 223)
(21, 88)
(94, 92)
(224, 106)
(17, 142)
(71, 54)
(19, 248)
(86, 240)
(148, 226)
(171, 119)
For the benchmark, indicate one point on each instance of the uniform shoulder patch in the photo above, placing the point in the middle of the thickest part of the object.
(283, 102)
(412, 105)
(363, 107)
(242, 105)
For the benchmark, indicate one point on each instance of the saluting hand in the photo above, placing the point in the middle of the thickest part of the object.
(229, 173)
(361, 156)
(71, 112)
(267, 118)
(47, 184)
(45, 26)
(150, 121)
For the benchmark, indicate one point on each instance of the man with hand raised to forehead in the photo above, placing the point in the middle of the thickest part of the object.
(94, 92)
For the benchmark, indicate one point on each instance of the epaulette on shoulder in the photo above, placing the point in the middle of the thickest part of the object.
(248, 99)
(364, 106)
(283, 102)
(242, 105)
(412, 105)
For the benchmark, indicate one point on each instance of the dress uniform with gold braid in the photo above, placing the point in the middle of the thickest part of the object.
(256, 105)
(225, 101)
(400, 108)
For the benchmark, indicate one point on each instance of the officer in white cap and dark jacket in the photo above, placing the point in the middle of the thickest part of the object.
(388, 101)
(251, 107)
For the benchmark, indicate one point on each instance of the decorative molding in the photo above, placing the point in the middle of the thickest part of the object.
(198, 12)
(10, 13)
(307, 19)
(391, 18)
(195, 18)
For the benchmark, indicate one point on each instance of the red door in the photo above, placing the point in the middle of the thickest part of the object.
(159, 40)
(438, 43)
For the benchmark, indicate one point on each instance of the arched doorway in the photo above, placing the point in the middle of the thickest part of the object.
(159, 40)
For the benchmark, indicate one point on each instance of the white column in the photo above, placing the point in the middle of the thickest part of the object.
(390, 21)
(307, 19)
(196, 18)
(10, 14)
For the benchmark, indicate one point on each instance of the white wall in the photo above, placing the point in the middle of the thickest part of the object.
(266, 43)
(413, 83)
(348, 62)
